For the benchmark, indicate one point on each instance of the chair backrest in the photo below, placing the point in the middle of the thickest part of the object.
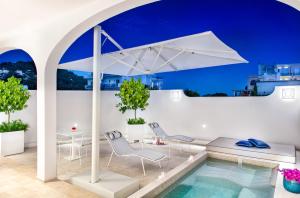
(118, 143)
(157, 130)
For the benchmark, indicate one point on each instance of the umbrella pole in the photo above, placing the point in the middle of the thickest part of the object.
(96, 105)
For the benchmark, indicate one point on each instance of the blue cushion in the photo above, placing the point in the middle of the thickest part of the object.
(258, 143)
(244, 143)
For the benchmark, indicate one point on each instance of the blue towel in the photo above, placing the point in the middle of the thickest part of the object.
(244, 143)
(258, 143)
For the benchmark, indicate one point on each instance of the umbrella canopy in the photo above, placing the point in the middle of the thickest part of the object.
(183, 53)
(293, 3)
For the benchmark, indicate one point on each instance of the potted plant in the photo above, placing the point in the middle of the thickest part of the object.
(134, 96)
(291, 180)
(13, 97)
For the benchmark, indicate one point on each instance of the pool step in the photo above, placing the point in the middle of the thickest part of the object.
(237, 175)
(179, 191)
(256, 193)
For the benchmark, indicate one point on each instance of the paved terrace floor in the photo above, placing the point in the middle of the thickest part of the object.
(129, 166)
(18, 173)
(18, 179)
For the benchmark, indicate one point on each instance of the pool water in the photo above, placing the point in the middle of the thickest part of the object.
(223, 179)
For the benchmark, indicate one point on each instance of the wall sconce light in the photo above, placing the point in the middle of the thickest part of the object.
(288, 93)
(176, 95)
(162, 175)
(191, 158)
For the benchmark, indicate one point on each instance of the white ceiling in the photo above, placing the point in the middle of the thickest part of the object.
(28, 14)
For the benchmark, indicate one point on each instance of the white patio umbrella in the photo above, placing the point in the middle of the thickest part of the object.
(293, 3)
(188, 52)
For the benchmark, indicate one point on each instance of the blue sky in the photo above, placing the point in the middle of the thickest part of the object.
(14, 56)
(262, 31)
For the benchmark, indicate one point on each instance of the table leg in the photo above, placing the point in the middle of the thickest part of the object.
(72, 150)
(73, 155)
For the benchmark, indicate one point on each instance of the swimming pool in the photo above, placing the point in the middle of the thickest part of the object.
(223, 179)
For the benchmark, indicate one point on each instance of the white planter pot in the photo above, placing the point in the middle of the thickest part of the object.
(135, 132)
(11, 143)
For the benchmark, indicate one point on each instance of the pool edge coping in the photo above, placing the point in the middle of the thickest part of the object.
(160, 184)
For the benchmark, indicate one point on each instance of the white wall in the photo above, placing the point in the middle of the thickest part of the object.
(270, 118)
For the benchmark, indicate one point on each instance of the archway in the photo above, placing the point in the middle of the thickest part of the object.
(18, 63)
(46, 83)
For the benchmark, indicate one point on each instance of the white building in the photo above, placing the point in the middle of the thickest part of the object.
(270, 76)
(45, 29)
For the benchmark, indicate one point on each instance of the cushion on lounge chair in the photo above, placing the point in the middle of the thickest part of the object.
(258, 143)
(114, 135)
(244, 143)
(117, 134)
(111, 135)
(155, 125)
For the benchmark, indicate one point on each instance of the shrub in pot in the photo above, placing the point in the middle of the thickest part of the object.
(13, 97)
(134, 96)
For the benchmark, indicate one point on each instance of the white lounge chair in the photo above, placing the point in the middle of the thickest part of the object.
(159, 132)
(121, 147)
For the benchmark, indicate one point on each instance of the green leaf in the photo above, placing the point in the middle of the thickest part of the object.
(13, 95)
(133, 95)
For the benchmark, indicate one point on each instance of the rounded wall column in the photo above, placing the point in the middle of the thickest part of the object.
(46, 124)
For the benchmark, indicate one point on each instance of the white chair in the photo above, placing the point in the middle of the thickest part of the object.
(81, 143)
(160, 133)
(63, 142)
(120, 147)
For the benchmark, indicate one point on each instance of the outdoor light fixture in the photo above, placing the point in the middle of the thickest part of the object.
(162, 175)
(191, 158)
(288, 93)
(176, 95)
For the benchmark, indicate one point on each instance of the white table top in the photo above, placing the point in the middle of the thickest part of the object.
(70, 133)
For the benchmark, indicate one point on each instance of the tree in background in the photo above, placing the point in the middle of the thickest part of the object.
(67, 80)
(216, 95)
(25, 71)
(255, 92)
(191, 93)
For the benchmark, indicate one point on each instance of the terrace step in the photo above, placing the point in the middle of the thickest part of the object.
(110, 185)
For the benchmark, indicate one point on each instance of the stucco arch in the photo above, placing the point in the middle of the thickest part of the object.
(49, 55)
(6, 49)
